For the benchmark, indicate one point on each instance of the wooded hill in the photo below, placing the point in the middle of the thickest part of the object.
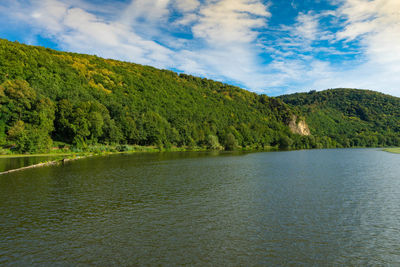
(350, 117)
(81, 100)
(50, 98)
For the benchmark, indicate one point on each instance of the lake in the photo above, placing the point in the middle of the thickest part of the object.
(312, 207)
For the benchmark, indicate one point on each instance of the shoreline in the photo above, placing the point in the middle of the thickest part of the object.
(71, 156)
(76, 156)
(61, 158)
(45, 164)
(10, 156)
(394, 150)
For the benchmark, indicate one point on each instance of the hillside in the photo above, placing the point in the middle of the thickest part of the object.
(49, 97)
(350, 117)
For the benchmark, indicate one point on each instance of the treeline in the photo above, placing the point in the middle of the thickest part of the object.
(50, 98)
(350, 117)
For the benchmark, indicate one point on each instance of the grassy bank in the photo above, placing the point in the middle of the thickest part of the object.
(96, 149)
(67, 151)
(393, 150)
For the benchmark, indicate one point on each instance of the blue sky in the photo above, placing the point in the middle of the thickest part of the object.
(272, 47)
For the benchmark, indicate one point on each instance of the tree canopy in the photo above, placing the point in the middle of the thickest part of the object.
(49, 96)
(350, 117)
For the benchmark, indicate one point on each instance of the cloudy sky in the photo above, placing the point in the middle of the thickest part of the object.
(272, 46)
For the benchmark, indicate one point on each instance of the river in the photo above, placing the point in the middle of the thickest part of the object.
(311, 207)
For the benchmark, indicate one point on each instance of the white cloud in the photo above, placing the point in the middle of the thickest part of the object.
(50, 15)
(229, 30)
(187, 19)
(149, 11)
(186, 5)
(307, 26)
(78, 30)
(227, 21)
(372, 25)
(376, 25)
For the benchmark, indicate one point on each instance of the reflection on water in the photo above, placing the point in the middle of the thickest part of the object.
(335, 207)
(18, 162)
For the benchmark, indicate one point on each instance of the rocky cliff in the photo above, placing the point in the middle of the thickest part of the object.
(298, 127)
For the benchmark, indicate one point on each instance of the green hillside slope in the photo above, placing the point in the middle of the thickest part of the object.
(350, 117)
(81, 100)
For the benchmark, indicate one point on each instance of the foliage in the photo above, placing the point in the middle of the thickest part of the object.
(85, 100)
(350, 117)
(213, 143)
(395, 150)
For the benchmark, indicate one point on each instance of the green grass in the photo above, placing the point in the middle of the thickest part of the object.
(393, 150)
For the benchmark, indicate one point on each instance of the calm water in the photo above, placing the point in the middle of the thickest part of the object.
(319, 207)
(18, 162)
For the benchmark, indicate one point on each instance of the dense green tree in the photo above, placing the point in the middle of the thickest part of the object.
(285, 142)
(83, 100)
(213, 143)
(2, 132)
(350, 117)
(231, 143)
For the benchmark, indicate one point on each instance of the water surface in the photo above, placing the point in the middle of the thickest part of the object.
(316, 207)
(11, 163)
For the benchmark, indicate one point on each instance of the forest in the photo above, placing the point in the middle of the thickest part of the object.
(58, 100)
(350, 117)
